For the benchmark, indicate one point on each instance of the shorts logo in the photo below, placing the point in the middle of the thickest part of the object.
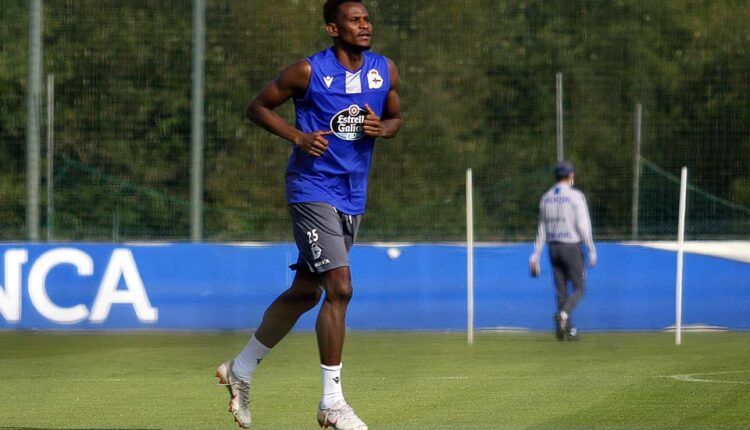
(316, 251)
(374, 81)
(348, 124)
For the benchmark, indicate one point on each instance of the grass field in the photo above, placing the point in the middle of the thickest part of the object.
(394, 381)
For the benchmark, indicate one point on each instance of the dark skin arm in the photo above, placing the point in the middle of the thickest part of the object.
(292, 81)
(389, 125)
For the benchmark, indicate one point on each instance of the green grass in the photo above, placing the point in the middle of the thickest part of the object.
(394, 381)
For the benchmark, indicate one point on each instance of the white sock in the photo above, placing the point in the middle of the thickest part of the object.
(332, 391)
(248, 359)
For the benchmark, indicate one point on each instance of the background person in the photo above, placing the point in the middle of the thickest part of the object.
(564, 223)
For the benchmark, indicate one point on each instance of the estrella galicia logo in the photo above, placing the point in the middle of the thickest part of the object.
(349, 123)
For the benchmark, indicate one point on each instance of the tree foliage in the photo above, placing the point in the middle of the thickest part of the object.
(477, 88)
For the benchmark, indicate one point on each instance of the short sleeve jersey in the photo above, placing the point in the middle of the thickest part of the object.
(335, 100)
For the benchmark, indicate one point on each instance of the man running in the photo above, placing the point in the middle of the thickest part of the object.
(344, 97)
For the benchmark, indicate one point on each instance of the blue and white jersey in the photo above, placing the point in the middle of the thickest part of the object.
(335, 100)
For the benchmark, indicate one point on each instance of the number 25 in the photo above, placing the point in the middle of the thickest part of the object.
(312, 235)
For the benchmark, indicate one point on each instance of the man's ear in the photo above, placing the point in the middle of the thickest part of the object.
(332, 29)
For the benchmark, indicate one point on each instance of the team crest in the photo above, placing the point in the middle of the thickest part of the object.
(374, 80)
(349, 123)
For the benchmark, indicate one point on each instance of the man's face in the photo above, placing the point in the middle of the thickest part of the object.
(353, 26)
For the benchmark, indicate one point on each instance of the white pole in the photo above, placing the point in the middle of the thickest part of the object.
(50, 152)
(559, 106)
(680, 246)
(469, 258)
(636, 173)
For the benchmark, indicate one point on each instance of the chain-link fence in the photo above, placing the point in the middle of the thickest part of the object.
(477, 88)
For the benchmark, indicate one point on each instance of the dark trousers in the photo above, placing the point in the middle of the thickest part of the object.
(567, 266)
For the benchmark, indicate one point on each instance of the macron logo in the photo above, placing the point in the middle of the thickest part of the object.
(328, 80)
(336, 379)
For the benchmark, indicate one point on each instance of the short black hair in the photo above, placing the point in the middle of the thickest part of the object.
(331, 9)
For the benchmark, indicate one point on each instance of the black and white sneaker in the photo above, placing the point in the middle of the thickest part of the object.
(572, 334)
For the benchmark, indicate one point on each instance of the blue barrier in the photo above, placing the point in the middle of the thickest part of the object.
(226, 287)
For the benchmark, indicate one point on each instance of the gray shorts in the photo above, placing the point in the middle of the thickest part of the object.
(324, 236)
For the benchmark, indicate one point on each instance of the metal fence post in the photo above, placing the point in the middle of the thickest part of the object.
(33, 120)
(196, 165)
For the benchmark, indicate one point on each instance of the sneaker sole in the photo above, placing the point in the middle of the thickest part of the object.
(327, 424)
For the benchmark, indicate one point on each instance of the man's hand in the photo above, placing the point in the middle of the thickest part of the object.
(373, 125)
(592, 260)
(535, 269)
(313, 143)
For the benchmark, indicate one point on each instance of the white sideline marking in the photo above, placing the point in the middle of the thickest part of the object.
(695, 377)
(447, 378)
